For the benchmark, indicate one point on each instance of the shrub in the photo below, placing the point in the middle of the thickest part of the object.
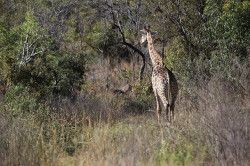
(35, 64)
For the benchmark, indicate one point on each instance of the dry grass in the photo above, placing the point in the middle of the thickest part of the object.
(211, 128)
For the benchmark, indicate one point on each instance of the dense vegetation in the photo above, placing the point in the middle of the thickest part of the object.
(62, 62)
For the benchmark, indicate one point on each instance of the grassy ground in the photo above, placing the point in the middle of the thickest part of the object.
(136, 140)
(211, 128)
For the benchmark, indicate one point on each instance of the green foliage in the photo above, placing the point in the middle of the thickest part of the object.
(4, 35)
(97, 35)
(69, 74)
(13, 45)
(221, 41)
(227, 29)
(177, 59)
(179, 152)
(143, 100)
(235, 17)
(30, 25)
(143, 91)
(51, 75)
(110, 43)
(229, 23)
(8, 50)
(18, 101)
(33, 62)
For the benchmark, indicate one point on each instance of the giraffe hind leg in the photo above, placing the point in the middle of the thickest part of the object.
(165, 105)
(168, 113)
(172, 112)
(158, 110)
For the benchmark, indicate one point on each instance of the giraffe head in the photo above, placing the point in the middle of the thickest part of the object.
(145, 31)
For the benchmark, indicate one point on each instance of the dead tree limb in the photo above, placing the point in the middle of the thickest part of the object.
(29, 51)
(117, 24)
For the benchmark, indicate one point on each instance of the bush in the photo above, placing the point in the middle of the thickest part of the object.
(35, 64)
(19, 102)
(177, 59)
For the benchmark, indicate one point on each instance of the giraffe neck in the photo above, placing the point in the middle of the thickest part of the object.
(154, 56)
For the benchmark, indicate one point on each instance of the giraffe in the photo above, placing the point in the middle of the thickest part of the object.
(164, 83)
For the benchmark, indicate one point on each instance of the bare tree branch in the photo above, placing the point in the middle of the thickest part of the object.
(117, 24)
(29, 51)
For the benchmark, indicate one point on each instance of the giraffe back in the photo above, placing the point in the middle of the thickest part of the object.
(164, 81)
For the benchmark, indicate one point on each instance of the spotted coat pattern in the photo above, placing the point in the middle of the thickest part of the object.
(164, 83)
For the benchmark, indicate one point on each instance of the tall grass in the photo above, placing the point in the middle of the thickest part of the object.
(211, 128)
